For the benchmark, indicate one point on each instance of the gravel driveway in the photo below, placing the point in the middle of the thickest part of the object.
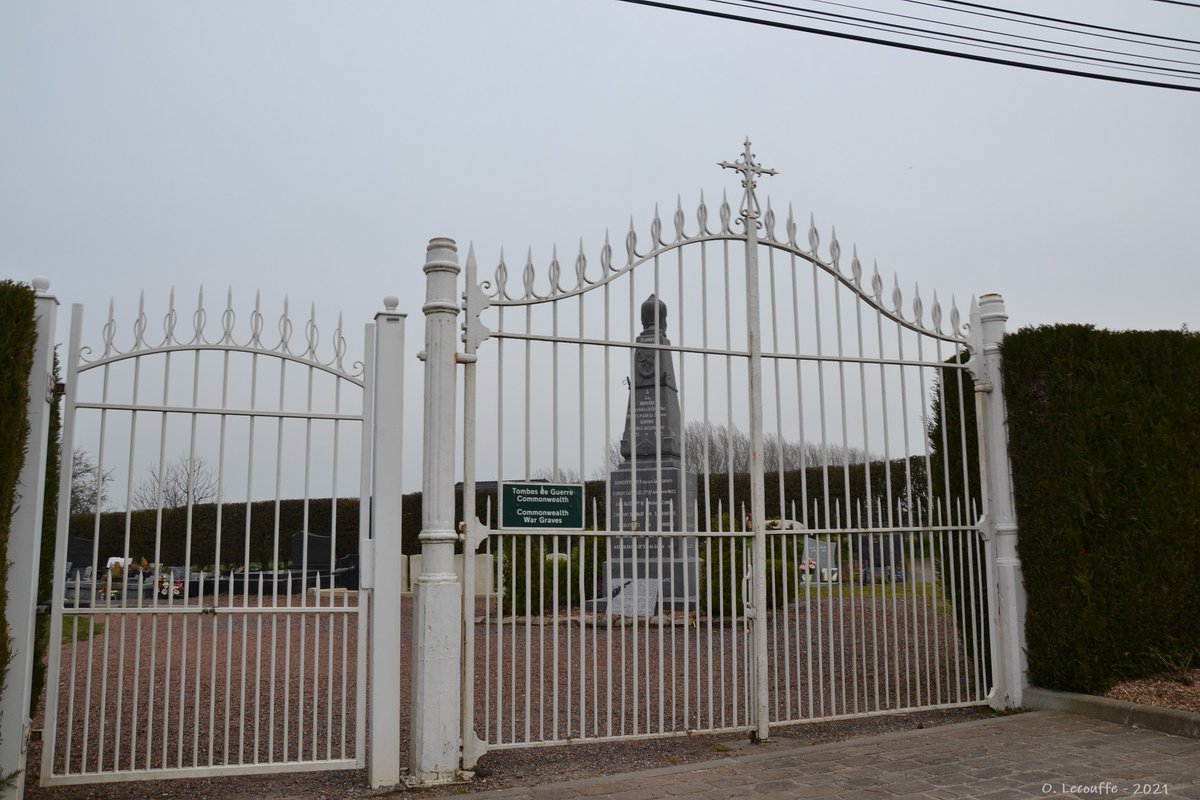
(279, 709)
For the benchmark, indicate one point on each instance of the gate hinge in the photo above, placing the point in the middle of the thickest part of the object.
(473, 749)
(474, 302)
(473, 534)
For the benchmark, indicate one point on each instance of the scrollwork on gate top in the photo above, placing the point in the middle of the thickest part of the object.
(196, 336)
(870, 288)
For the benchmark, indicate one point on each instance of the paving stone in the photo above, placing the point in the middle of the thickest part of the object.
(1014, 756)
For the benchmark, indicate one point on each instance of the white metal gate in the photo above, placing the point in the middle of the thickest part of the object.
(207, 623)
(815, 546)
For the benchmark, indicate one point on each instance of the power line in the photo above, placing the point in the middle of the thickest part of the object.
(1088, 25)
(918, 47)
(791, 10)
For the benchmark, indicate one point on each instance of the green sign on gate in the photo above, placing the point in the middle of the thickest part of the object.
(541, 505)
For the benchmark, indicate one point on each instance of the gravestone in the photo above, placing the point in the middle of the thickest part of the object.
(651, 491)
(320, 553)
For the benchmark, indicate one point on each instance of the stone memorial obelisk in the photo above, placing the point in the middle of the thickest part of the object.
(651, 493)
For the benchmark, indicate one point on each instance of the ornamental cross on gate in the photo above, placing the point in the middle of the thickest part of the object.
(750, 172)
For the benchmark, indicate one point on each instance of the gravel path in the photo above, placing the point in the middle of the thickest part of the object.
(205, 710)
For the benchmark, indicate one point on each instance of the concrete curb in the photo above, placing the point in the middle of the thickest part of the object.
(1164, 720)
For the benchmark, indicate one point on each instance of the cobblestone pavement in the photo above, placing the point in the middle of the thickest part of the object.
(1037, 754)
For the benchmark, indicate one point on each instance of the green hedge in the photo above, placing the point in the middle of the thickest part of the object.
(1105, 447)
(17, 335)
(172, 546)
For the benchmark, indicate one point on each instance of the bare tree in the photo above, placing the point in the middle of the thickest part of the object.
(89, 484)
(183, 481)
(713, 447)
(564, 475)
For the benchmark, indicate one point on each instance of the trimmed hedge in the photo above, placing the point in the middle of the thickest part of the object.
(1104, 437)
(17, 335)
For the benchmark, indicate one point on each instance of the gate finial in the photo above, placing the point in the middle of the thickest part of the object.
(750, 172)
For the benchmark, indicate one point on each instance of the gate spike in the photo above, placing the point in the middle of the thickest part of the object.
(679, 234)
(199, 318)
(856, 266)
(725, 213)
(877, 285)
(631, 243)
(955, 319)
(311, 334)
(702, 215)
(814, 238)
(110, 330)
(169, 320)
(791, 226)
(835, 250)
(228, 318)
(527, 274)
(656, 230)
(769, 221)
(918, 306)
(897, 298)
(555, 287)
(256, 321)
(285, 327)
(935, 313)
(580, 267)
(339, 343)
(502, 278)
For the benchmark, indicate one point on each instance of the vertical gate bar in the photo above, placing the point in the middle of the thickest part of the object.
(212, 703)
(838, 651)
(581, 596)
(304, 561)
(510, 593)
(687, 506)
(273, 669)
(886, 519)
(470, 544)
(368, 448)
(96, 579)
(133, 418)
(827, 522)
(195, 708)
(900, 515)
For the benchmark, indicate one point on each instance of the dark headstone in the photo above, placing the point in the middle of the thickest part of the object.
(320, 552)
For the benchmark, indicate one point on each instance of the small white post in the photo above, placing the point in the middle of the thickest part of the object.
(383, 558)
(1000, 517)
(25, 547)
(434, 745)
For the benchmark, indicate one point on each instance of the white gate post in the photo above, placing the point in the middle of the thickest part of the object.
(1000, 518)
(24, 548)
(437, 633)
(382, 556)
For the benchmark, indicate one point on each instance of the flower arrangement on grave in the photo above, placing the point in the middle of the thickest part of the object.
(169, 586)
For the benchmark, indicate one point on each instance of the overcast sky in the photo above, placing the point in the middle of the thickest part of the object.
(313, 148)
